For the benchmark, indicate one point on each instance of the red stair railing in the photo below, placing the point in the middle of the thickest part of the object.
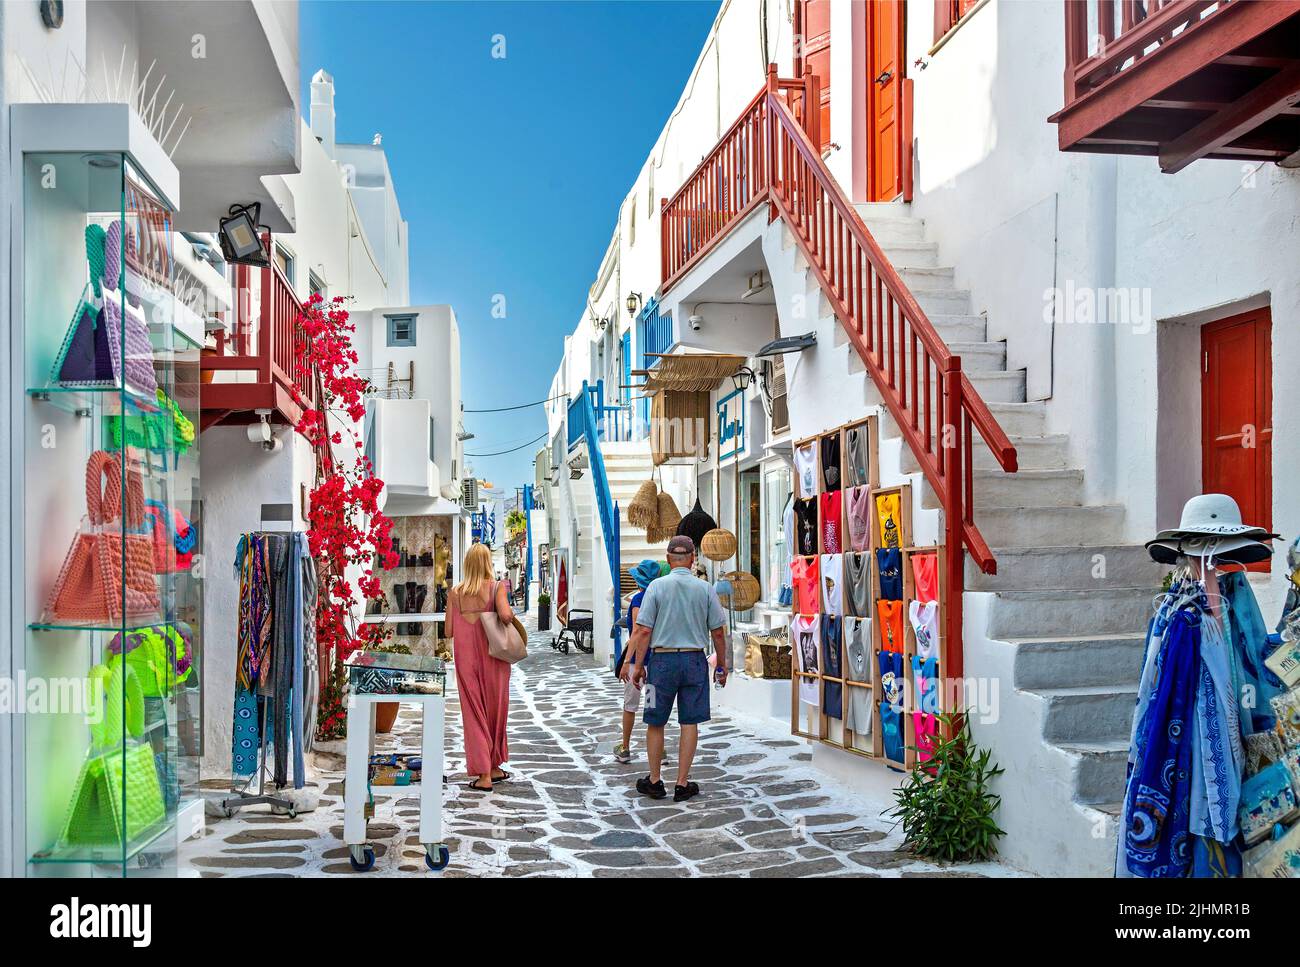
(770, 155)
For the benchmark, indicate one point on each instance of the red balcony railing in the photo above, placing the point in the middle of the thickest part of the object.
(265, 339)
(768, 155)
(1180, 79)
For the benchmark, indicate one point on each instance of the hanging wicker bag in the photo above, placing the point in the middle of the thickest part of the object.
(669, 515)
(643, 511)
(719, 544)
(744, 591)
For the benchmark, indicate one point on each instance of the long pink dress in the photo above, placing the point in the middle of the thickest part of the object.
(483, 684)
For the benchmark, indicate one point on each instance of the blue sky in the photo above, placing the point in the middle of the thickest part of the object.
(509, 171)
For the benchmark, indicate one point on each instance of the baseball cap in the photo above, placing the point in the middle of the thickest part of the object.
(681, 544)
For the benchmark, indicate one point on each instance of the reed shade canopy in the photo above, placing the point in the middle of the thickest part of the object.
(744, 591)
(718, 544)
(689, 372)
(696, 524)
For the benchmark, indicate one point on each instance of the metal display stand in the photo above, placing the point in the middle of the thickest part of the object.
(360, 747)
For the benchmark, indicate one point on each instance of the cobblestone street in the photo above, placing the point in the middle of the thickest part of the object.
(571, 810)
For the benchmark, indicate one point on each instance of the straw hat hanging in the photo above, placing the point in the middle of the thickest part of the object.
(643, 510)
(669, 515)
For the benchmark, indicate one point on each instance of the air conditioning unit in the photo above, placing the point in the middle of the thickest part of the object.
(469, 493)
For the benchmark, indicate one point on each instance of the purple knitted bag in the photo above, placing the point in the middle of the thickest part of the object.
(139, 353)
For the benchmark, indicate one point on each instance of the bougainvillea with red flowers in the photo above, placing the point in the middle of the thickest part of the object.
(347, 531)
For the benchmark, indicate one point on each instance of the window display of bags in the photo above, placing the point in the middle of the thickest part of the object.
(106, 571)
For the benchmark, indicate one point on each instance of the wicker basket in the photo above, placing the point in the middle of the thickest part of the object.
(744, 591)
(776, 660)
(718, 544)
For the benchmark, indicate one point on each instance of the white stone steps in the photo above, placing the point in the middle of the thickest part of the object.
(1077, 661)
(1007, 387)
(930, 277)
(1042, 526)
(980, 356)
(942, 301)
(1075, 716)
(1062, 614)
(907, 255)
(1028, 488)
(887, 229)
(1081, 568)
(1099, 770)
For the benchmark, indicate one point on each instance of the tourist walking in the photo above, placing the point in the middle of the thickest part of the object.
(643, 574)
(482, 682)
(678, 617)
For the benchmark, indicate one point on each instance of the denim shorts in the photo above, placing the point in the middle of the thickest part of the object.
(681, 677)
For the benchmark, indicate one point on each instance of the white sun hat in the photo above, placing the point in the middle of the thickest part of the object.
(1211, 525)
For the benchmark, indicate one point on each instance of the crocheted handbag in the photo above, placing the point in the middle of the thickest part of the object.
(139, 352)
(109, 570)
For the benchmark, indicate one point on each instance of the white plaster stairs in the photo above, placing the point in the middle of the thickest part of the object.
(628, 466)
(1060, 628)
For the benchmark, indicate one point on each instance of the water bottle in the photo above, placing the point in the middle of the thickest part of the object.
(717, 678)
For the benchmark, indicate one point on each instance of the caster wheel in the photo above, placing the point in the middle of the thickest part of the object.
(362, 858)
(443, 857)
(293, 814)
(230, 813)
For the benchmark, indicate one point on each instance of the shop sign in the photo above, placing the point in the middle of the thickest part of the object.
(731, 425)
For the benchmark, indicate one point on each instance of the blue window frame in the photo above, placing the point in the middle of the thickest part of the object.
(401, 331)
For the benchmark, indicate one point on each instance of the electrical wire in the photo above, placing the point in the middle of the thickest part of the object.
(497, 453)
(521, 406)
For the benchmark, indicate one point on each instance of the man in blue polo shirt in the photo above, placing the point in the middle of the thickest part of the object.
(679, 616)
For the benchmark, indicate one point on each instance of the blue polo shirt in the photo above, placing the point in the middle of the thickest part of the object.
(681, 611)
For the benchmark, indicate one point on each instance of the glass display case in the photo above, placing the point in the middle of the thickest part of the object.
(110, 503)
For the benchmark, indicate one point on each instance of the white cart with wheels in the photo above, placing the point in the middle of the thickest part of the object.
(360, 747)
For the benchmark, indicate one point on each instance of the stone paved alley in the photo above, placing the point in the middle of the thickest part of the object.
(572, 811)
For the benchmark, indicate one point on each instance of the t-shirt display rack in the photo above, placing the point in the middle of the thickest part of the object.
(825, 664)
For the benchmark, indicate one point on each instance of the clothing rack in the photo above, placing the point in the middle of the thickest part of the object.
(281, 515)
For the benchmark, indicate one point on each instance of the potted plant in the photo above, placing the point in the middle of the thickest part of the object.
(386, 712)
(543, 612)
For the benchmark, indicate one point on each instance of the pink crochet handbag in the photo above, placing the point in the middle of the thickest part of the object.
(109, 570)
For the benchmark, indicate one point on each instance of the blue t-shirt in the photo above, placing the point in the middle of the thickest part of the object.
(681, 611)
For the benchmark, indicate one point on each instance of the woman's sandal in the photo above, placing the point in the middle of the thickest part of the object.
(504, 777)
(476, 787)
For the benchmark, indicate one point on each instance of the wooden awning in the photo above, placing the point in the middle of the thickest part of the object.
(688, 372)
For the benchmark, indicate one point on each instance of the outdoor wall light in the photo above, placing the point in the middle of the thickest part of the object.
(742, 377)
(788, 344)
(240, 242)
(633, 301)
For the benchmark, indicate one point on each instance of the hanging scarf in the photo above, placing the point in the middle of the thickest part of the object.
(1155, 834)
(1249, 640)
(1219, 758)
(253, 648)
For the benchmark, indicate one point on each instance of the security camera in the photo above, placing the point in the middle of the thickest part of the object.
(697, 323)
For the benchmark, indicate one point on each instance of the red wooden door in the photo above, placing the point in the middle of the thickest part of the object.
(813, 30)
(884, 105)
(1237, 413)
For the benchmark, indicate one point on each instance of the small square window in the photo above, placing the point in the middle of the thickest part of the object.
(401, 330)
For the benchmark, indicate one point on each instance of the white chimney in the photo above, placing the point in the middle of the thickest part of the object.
(322, 110)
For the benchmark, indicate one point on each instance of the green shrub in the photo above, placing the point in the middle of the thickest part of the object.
(945, 806)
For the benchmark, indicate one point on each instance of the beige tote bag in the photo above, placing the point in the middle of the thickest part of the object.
(506, 639)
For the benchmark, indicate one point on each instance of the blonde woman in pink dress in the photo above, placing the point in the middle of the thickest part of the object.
(482, 682)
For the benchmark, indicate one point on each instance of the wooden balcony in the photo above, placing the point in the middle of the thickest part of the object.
(1182, 79)
(255, 365)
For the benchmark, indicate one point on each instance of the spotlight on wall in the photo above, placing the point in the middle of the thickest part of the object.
(240, 242)
(633, 302)
(261, 434)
